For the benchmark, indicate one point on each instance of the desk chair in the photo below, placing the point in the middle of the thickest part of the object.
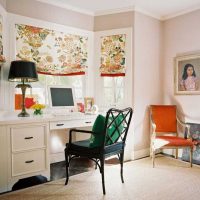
(108, 137)
(164, 132)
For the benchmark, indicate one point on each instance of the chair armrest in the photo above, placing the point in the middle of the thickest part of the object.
(78, 131)
(187, 133)
(153, 128)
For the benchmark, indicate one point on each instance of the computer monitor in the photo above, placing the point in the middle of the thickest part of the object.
(61, 97)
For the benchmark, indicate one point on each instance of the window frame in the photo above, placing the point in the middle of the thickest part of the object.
(17, 19)
(56, 83)
(128, 79)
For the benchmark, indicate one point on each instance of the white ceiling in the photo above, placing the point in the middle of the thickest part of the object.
(162, 9)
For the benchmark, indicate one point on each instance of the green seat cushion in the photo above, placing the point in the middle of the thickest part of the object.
(96, 139)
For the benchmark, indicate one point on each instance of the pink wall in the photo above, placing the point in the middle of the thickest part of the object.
(181, 35)
(114, 21)
(3, 3)
(147, 75)
(47, 12)
(147, 45)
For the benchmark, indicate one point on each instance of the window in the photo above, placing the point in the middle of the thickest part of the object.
(39, 89)
(113, 90)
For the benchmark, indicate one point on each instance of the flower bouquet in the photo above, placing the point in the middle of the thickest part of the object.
(37, 108)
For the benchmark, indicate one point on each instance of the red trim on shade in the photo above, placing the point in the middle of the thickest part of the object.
(70, 74)
(113, 75)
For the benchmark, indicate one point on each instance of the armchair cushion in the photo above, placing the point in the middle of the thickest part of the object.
(164, 117)
(173, 141)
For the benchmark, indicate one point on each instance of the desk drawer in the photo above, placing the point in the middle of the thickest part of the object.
(24, 138)
(71, 124)
(28, 162)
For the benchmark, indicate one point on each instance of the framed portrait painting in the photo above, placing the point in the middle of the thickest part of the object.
(187, 74)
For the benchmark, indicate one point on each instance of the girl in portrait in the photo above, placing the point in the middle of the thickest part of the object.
(189, 80)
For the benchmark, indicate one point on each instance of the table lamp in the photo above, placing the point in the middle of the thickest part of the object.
(23, 71)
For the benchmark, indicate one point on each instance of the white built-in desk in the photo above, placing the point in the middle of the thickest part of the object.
(24, 144)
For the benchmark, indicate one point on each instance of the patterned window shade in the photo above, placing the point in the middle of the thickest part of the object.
(1, 35)
(113, 55)
(2, 58)
(55, 53)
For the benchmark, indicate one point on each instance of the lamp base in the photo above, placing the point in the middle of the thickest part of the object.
(23, 88)
(23, 114)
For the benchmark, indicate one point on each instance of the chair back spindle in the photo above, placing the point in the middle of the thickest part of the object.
(117, 125)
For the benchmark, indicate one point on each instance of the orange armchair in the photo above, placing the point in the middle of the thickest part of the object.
(164, 134)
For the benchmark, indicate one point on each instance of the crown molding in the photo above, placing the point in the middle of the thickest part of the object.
(186, 11)
(119, 10)
(68, 7)
(143, 11)
(114, 11)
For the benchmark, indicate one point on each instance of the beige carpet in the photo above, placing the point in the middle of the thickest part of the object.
(170, 180)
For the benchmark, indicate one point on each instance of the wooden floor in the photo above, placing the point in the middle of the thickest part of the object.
(58, 171)
(77, 166)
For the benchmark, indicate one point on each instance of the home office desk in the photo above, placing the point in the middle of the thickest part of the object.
(24, 144)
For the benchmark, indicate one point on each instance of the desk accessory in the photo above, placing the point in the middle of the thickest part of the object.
(25, 72)
(38, 108)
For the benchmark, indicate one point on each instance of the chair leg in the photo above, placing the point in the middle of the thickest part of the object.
(102, 175)
(67, 166)
(95, 165)
(151, 150)
(122, 163)
(176, 153)
(191, 155)
(153, 157)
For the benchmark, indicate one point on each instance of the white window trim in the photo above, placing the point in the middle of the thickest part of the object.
(128, 83)
(18, 19)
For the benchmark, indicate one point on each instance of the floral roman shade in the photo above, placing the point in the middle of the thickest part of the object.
(2, 58)
(113, 58)
(1, 35)
(55, 53)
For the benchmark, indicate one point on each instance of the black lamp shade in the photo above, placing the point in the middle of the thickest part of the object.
(22, 71)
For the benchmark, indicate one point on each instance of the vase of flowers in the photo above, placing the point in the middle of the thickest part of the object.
(2, 59)
(38, 108)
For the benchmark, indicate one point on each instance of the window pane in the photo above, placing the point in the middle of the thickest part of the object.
(108, 81)
(33, 95)
(108, 96)
(42, 79)
(78, 93)
(113, 90)
(119, 81)
(119, 96)
(72, 81)
(51, 80)
(39, 89)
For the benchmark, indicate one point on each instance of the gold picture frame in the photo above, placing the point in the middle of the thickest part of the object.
(88, 103)
(187, 74)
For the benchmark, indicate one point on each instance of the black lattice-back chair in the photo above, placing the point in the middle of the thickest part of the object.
(113, 142)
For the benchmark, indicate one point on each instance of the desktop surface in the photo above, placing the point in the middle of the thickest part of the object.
(12, 118)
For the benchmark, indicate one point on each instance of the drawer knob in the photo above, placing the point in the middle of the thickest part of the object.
(28, 138)
(59, 124)
(88, 122)
(29, 161)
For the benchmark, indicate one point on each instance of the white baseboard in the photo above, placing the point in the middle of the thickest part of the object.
(141, 153)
